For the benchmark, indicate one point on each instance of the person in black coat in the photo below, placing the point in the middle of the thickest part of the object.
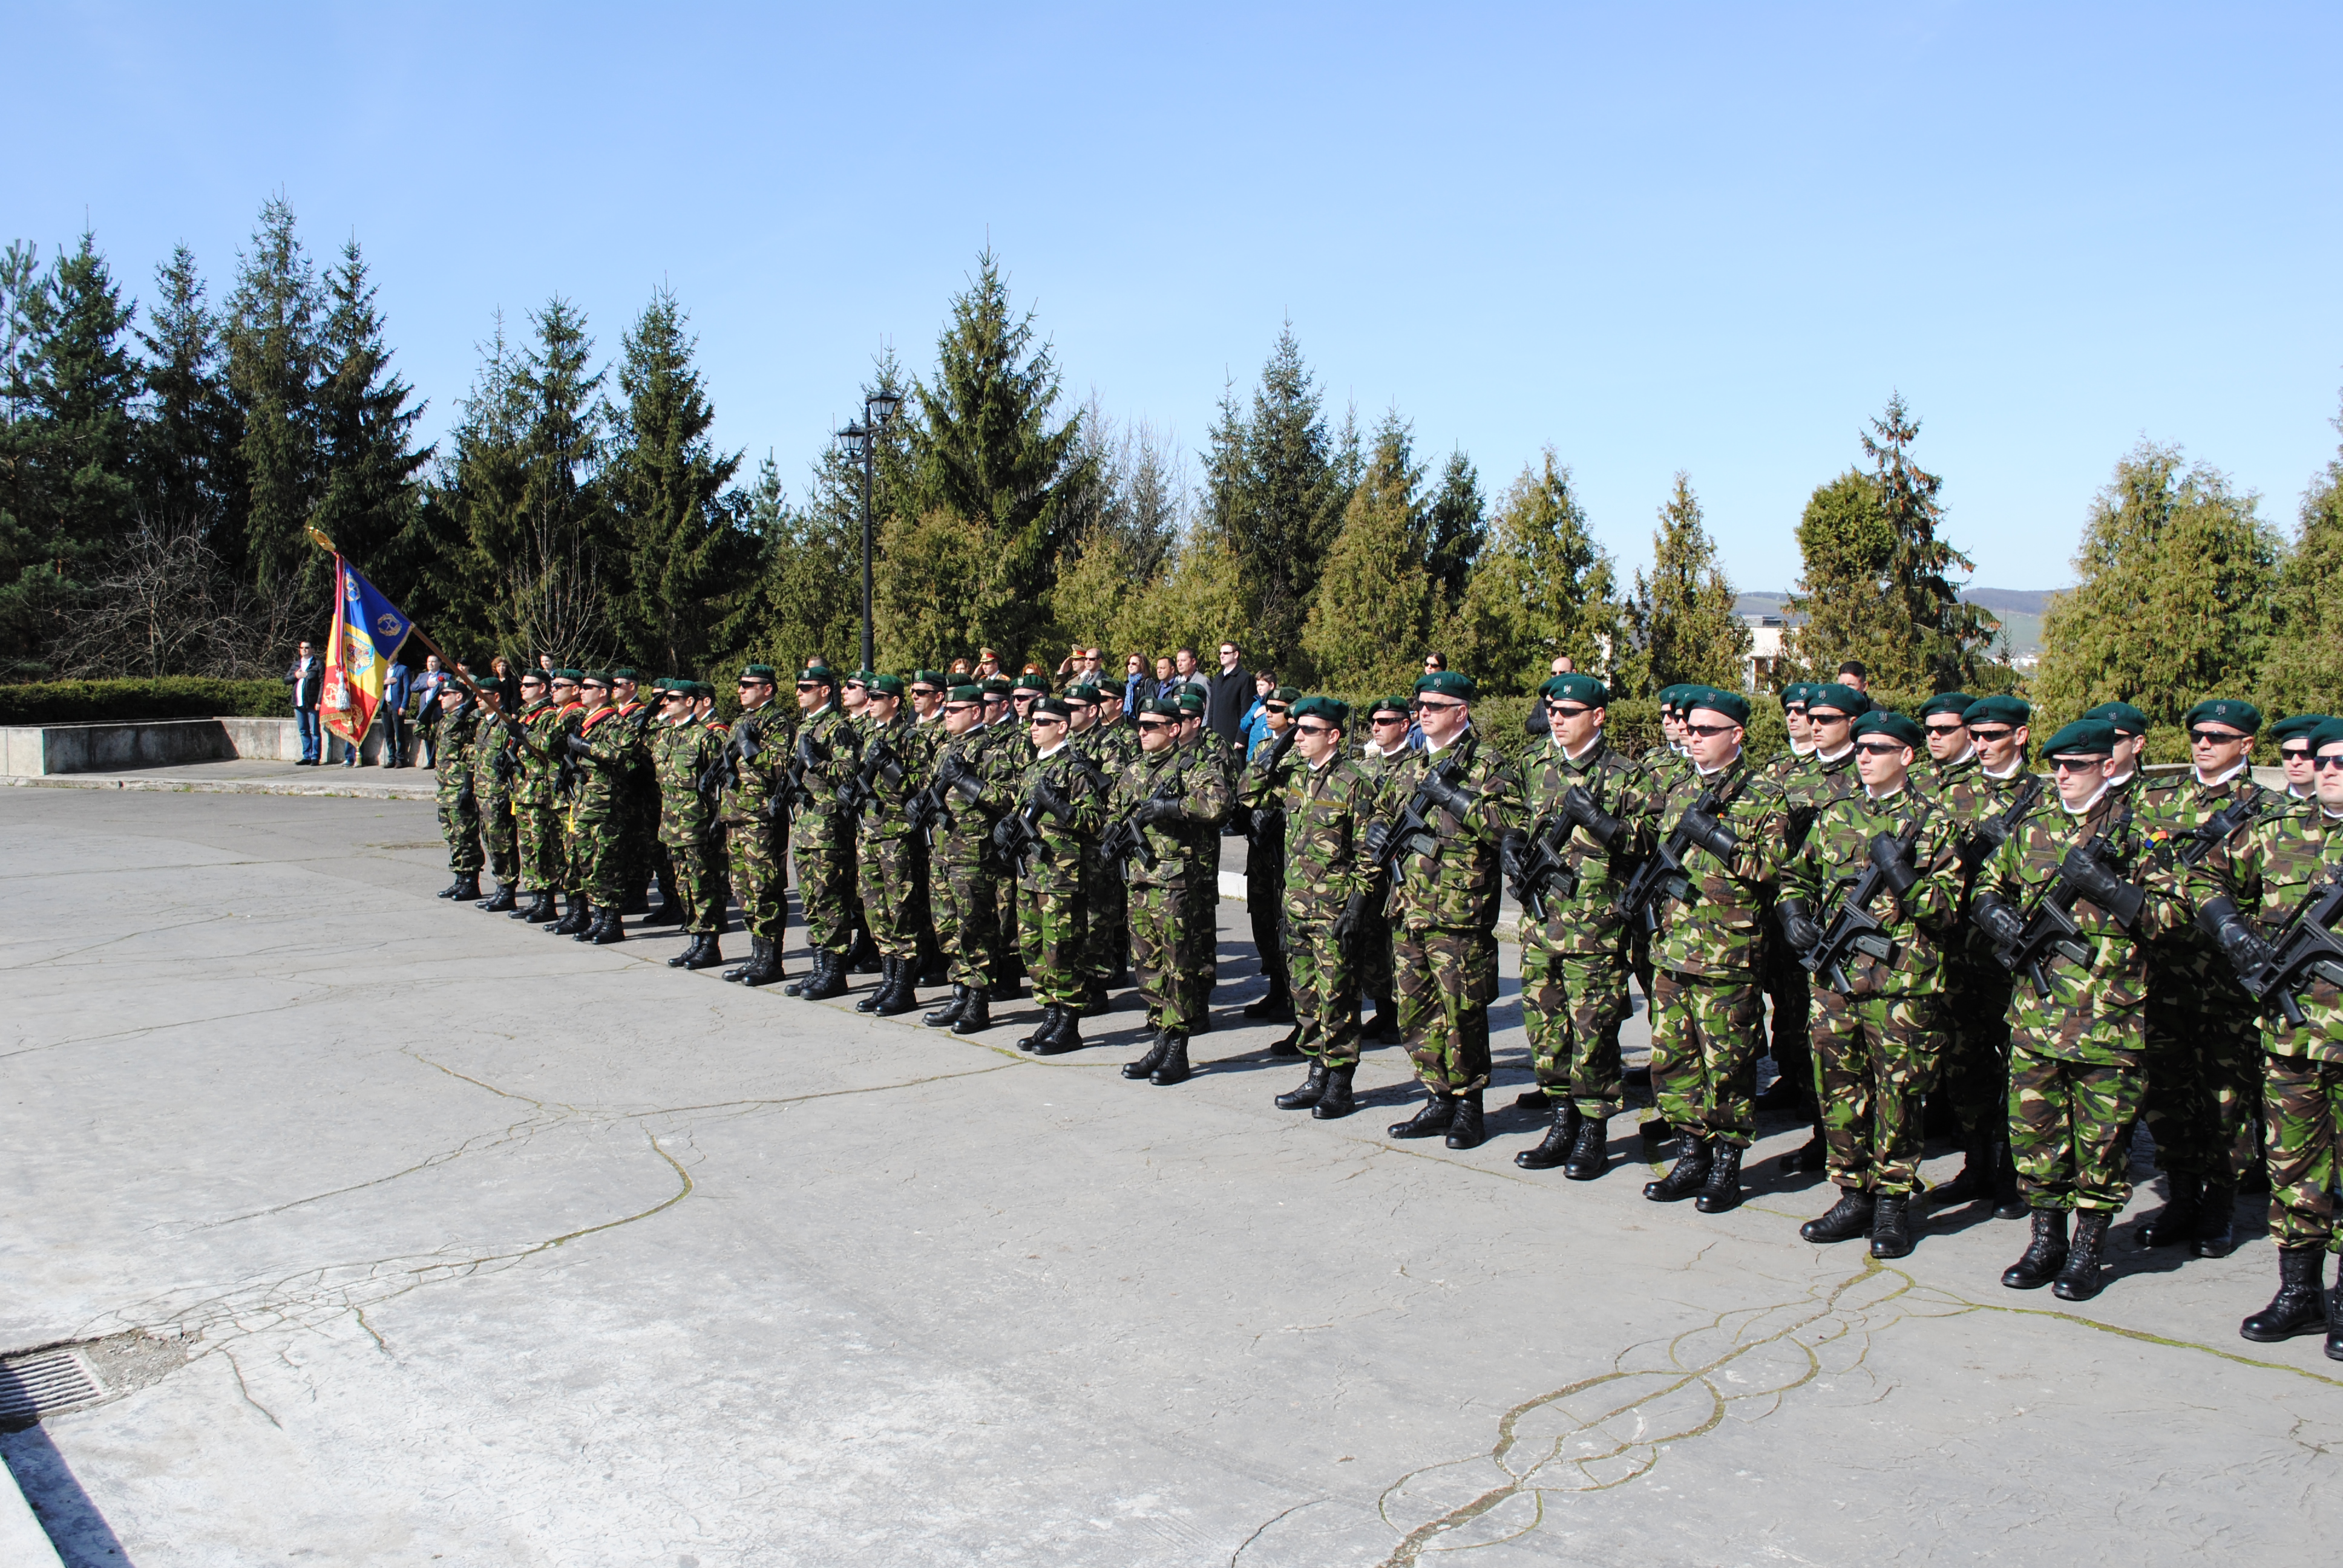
(307, 680)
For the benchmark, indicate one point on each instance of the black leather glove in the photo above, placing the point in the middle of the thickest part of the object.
(2091, 878)
(1051, 800)
(949, 770)
(1347, 923)
(1377, 840)
(1579, 806)
(1797, 925)
(1158, 813)
(1994, 917)
(749, 746)
(2218, 919)
(1511, 849)
(847, 796)
(1281, 745)
(1887, 854)
(1457, 803)
(1006, 837)
(576, 745)
(1710, 834)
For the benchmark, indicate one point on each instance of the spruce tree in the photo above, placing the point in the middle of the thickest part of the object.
(1543, 587)
(1274, 496)
(808, 598)
(1681, 619)
(367, 473)
(274, 349)
(1374, 602)
(1459, 528)
(188, 467)
(2302, 671)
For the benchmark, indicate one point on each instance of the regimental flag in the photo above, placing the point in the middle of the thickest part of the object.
(367, 631)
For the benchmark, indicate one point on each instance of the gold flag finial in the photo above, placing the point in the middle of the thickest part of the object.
(322, 542)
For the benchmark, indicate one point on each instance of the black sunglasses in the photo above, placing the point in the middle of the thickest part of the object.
(2213, 737)
(1877, 748)
(2294, 753)
(2076, 764)
(1942, 731)
(1707, 729)
(2323, 763)
(1304, 727)
(1990, 736)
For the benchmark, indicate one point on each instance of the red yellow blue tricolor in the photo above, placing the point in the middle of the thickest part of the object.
(367, 631)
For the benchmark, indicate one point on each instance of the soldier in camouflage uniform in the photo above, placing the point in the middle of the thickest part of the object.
(1114, 745)
(1387, 721)
(822, 834)
(1327, 802)
(2248, 889)
(751, 808)
(887, 851)
(686, 757)
(2204, 1049)
(495, 769)
(1010, 752)
(1585, 799)
(460, 813)
(1792, 1089)
(1708, 1010)
(2130, 726)
(2077, 1028)
(1102, 883)
(570, 713)
(639, 801)
(1200, 928)
(961, 860)
(1875, 1029)
(1828, 775)
(604, 745)
(1062, 810)
(537, 828)
(2291, 735)
(925, 690)
(1174, 798)
(1444, 890)
(1264, 832)
(703, 708)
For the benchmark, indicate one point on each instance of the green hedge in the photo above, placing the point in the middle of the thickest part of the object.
(130, 701)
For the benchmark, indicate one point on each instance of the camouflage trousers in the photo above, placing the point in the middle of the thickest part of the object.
(1878, 1055)
(1163, 959)
(1791, 991)
(2069, 1126)
(1572, 1006)
(538, 828)
(1706, 1035)
(1325, 992)
(498, 836)
(968, 919)
(823, 847)
(1265, 899)
(459, 824)
(1374, 950)
(1974, 1013)
(699, 882)
(1447, 977)
(1008, 948)
(1102, 893)
(2202, 1064)
(642, 843)
(1052, 926)
(1199, 936)
(891, 874)
(599, 864)
(755, 858)
(2303, 1100)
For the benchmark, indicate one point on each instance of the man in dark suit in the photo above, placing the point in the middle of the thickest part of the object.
(307, 680)
(1228, 694)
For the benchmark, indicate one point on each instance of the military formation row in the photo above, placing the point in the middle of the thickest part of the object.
(2062, 959)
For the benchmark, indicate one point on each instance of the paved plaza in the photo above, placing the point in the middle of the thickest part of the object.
(392, 1233)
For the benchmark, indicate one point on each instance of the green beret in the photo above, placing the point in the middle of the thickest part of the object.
(886, 685)
(1953, 702)
(1050, 707)
(1838, 699)
(2328, 734)
(662, 684)
(1190, 700)
(1895, 726)
(2013, 711)
(1388, 705)
(1796, 694)
(1731, 704)
(571, 676)
(1448, 683)
(1160, 707)
(935, 678)
(1666, 698)
(1587, 689)
(1333, 710)
(1081, 691)
(997, 686)
(1288, 695)
(965, 694)
(2083, 737)
(702, 688)
(2228, 710)
(2127, 719)
(1030, 682)
(2294, 726)
(594, 678)
(625, 673)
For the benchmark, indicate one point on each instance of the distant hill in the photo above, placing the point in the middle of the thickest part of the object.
(2025, 601)
(2019, 610)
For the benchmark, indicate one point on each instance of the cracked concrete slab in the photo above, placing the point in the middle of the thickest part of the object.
(469, 1244)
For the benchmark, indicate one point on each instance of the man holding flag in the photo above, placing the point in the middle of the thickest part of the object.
(366, 632)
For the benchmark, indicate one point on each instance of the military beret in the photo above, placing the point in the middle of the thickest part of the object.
(2013, 711)
(997, 686)
(594, 678)
(886, 685)
(815, 671)
(935, 678)
(1839, 699)
(661, 684)
(1288, 695)
(1796, 694)
(1081, 691)
(2083, 737)
(1029, 681)
(1588, 689)
(2294, 726)
(1050, 708)
(1388, 705)
(1667, 697)
(572, 676)
(1332, 710)
(2228, 710)
(1447, 683)
(1895, 726)
(626, 672)
(2328, 734)
(1953, 702)
(702, 688)
(1189, 699)
(2127, 719)
(1731, 704)
(1160, 707)
(1110, 692)
(965, 694)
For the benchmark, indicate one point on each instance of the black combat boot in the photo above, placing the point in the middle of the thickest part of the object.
(1534, 1098)
(1308, 1092)
(2008, 1203)
(1277, 1007)
(636, 901)
(1559, 1134)
(1976, 1180)
(1334, 1101)
(900, 995)
(2176, 1221)
(1066, 1037)
(1152, 1060)
(544, 911)
(764, 961)
(2216, 1213)
(1289, 1046)
(755, 952)
(1590, 1153)
(863, 958)
(669, 913)
(1096, 1003)
(2335, 1321)
(869, 1000)
(499, 902)
(1891, 1229)
(1034, 1042)
(934, 969)
(1721, 1193)
(607, 929)
(826, 979)
(1430, 1121)
(1844, 1221)
(1813, 1156)
(945, 1016)
(1467, 1130)
(1174, 1068)
(2045, 1255)
(1383, 1028)
(453, 888)
(569, 924)
(2300, 1306)
(706, 954)
(977, 1016)
(690, 951)
(1120, 978)
(2079, 1281)
(1688, 1176)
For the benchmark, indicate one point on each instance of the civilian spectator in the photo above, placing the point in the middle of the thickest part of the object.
(1255, 725)
(428, 687)
(1165, 674)
(393, 714)
(1227, 696)
(1433, 663)
(1853, 674)
(1537, 723)
(959, 666)
(1138, 686)
(507, 683)
(307, 680)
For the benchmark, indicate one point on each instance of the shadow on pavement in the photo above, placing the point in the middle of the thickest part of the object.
(76, 1527)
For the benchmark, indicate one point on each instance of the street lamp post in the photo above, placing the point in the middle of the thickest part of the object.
(877, 409)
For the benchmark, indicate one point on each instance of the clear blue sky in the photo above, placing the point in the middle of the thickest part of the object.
(1655, 237)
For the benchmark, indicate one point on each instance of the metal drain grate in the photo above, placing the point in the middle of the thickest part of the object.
(44, 1383)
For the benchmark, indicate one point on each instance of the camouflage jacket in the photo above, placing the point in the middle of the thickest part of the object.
(1179, 848)
(1058, 867)
(1717, 934)
(1785, 766)
(2269, 868)
(1007, 747)
(1583, 918)
(452, 764)
(539, 722)
(1449, 878)
(886, 807)
(2090, 1014)
(1806, 790)
(1919, 925)
(1326, 812)
(2177, 816)
(746, 803)
(835, 742)
(496, 754)
(603, 774)
(963, 825)
(681, 754)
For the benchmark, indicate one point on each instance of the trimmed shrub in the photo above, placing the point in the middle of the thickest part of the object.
(133, 701)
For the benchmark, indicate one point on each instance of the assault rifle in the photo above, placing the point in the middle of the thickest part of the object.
(1995, 829)
(879, 764)
(1853, 928)
(2048, 929)
(1387, 841)
(1125, 838)
(2305, 950)
(953, 776)
(2191, 845)
(790, 790)
(1541, 872)
(1662, 873)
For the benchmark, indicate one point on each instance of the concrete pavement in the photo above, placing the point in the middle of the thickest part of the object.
(399, 1233)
